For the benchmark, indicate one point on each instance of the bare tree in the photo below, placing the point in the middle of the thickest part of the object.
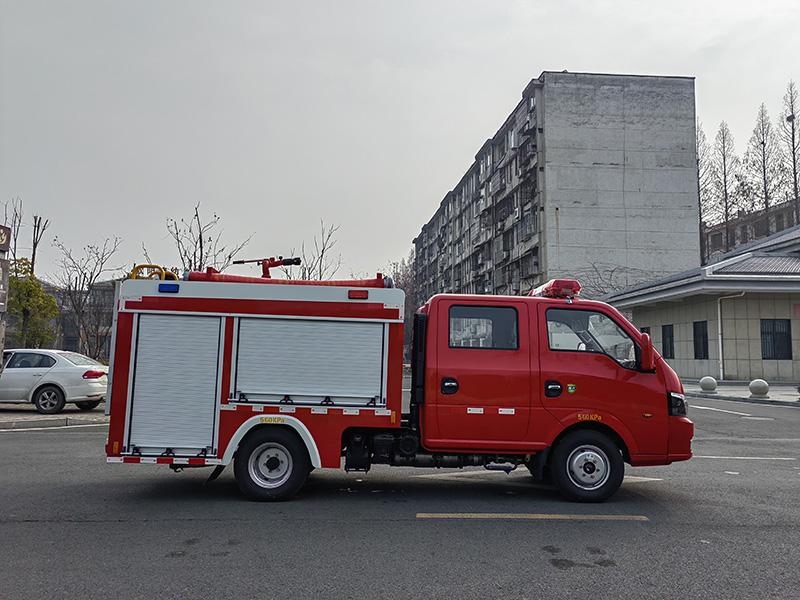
(15, 224)
(762, 163)
(402, 273)
(86, 298)
(39, 227)
(707, 206)
(199, 246)
(791, 142)
(725, 167)
(599, 279)
(318, 263)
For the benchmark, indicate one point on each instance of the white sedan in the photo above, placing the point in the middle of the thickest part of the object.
(51, 378)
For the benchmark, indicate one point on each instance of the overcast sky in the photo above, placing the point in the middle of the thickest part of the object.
(115, 115)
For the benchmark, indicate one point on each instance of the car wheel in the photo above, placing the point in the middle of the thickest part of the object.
(48, 400)
(271, 464)
(587, 466)
(88, 404)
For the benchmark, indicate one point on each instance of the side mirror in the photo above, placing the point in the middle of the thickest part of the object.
(648, 357)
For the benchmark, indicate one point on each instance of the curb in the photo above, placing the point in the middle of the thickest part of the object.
(57, 422)
(739, 399)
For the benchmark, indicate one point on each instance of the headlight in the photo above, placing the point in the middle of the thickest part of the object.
(676, 404)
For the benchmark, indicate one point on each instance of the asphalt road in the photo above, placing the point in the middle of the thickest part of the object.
(723, 525)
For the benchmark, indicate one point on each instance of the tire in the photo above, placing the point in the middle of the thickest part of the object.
(271, 464)
(48, 400)
(88, 404)
(587, 466)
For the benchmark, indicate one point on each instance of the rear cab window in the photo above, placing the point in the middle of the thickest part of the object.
(487, 327)
(575, 330)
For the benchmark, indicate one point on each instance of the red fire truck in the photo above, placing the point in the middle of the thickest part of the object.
(282, 376)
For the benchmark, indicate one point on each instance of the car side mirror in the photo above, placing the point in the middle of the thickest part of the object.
(648, 357)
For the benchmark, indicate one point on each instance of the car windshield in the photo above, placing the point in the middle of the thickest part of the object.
(79, 359)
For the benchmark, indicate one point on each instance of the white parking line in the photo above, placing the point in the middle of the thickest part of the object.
(730, 412)
(745, 457)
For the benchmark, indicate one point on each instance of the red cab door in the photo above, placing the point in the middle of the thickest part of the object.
(483, 380)
(588, 368)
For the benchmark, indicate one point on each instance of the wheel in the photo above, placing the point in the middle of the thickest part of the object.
(587, 467)
(48, 400)
(271, 464)
(88, 404)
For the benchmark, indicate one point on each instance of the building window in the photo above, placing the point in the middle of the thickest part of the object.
(776, 339)
(645, 330)
(701, 340)
(779, 223)
(743, 234)
(667, 341)
(761, 228)
(716, 241)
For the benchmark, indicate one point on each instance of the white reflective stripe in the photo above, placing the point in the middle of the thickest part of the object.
(505, 411)
(114, 459)
(474, 411)
(351, 411)
(257, 407)
(383, 413)
(228, 407)
(319, 411)
(287, 409)
(292, 422)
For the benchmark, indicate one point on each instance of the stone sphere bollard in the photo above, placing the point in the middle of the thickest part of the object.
(759, 388)
(708, 384)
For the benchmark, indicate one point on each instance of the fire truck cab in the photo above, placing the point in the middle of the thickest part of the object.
(282, 377)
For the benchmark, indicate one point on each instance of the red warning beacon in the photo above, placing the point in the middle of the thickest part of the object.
(558, 288)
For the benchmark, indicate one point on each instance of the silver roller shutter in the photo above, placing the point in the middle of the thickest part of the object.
(175, 383)
(311, 359)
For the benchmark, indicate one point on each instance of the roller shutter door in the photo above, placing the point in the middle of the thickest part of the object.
(175, 383)
(311, 359)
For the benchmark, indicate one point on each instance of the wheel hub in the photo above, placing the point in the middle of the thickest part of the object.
(588, 467)
(270, 465)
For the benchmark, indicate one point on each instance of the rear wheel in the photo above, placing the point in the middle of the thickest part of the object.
(48, 400)
(271, 464)
(88, 404)
(587, 466)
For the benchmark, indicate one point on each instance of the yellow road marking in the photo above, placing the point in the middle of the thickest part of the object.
(535, 516)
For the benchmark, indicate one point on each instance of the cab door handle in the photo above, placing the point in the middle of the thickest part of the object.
(552, 388)
(449, 386)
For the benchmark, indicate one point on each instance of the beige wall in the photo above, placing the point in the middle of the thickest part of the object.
(741, 332)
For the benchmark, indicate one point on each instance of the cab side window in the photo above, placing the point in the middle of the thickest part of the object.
(590, 331)
(492, 327)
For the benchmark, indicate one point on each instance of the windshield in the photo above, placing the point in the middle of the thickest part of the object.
(79, 359)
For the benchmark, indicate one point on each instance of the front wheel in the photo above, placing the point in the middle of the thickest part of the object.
(271, 464)
(48, 400)
(587, 467)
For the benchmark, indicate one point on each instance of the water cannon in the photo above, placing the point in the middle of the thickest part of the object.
(269, 263)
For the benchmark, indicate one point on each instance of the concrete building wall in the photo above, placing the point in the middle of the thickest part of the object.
(741, 335)
(591, 177)
(620, 175)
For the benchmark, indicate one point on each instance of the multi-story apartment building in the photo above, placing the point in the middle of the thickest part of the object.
(591, 176)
